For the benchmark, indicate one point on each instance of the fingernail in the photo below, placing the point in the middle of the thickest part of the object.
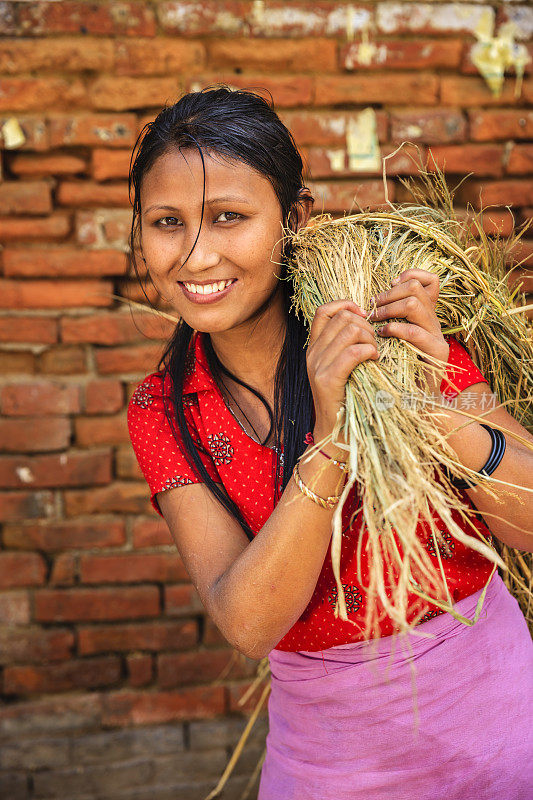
(395, 281)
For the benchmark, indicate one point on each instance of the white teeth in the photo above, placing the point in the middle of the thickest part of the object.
(197, 288)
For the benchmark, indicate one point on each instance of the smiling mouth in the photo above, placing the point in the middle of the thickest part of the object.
(208, 288)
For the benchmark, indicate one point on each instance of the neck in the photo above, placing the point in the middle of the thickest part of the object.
(251, 351)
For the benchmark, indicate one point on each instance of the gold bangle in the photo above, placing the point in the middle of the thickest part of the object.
(325, 502)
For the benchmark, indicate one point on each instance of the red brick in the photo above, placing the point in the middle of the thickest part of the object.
(325, 128)
(56, 471)
(212, 635)
(39, 330)
(34, 645)
(72, 16)
(103, 397)
(21, 569)
(76, 605)
(237, 691)
(288, 91)
(46, 229)
(63, 360)
(140, 669)
(89, 673)
(120, 497)
(494, 221)
(474, 91)
(30, 435)
(38, 94)
(25, 197)
(405, 162)
(182, 600)
(200, 666)
(402, 54)
(439, 126)
(133, 568)
(521, 276)
(63, 262)
(55, 294)
(100, 130)
(101, 430)
(300, 55)
(64, 570)
(85, 193)
(420, 88)
(44, 397)
(501, 124)
(14, 608)
(77, 712)
(141, 358)
(170, 56)
(348, 195)
(126, 465)
(498, 193)
(148, 708)
(75, 535)
(151, 533)
(112, 93)
(108, 164)
(16, 361)
(8, 20)
(521, 254)
(520, 160)
(58, 55)
(481, 159)
(114, 328)
(26, 505)
(153, 636)
(45, 165)
(34, 129)
(131, 290)
(430, 18)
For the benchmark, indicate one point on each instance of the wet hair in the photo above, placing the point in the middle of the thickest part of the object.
(241, 126)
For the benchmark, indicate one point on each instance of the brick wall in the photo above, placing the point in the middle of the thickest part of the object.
(108, 664)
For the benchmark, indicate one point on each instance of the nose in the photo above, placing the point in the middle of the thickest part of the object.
(201, 252)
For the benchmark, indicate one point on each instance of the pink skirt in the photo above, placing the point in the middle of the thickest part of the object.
(412, 719)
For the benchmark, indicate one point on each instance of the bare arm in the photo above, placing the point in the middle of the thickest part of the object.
(509, 514)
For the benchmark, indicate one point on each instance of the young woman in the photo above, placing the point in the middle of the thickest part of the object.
(218, 432)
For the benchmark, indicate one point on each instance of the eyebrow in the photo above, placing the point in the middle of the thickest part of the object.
(213, 201)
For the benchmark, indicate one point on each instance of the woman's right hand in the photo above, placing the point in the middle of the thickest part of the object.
(341, 338)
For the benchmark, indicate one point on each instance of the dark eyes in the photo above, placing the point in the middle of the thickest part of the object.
(171, 222)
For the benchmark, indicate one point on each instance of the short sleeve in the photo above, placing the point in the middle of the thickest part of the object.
(160, 457)
(467, 374)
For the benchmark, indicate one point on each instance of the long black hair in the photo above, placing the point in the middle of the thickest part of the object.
(242, 126)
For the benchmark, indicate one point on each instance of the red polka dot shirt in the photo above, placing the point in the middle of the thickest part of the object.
(247, 471)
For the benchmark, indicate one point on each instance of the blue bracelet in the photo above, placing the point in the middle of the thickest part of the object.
(495, 456)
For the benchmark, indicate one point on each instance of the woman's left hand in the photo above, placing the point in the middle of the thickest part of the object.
(413, 297)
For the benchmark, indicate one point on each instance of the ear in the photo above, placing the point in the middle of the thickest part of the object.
(304, 207)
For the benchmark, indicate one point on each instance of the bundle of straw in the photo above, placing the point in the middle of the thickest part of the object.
(400, 461)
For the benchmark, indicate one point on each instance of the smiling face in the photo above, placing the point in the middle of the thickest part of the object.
(239, 242)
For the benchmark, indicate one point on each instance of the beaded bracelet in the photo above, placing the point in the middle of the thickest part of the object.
(495, 456)
(310, 439)
(325, 502)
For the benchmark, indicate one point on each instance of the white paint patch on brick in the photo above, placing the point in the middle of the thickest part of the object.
(394, 17)
(347, 20)
(336, 159)
(25, 475)
(522, 16)
(336, 125)
(276, 21)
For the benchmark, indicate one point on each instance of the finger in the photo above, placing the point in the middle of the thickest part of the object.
(429, 281)
(411, 287)
(339, 370)
(325, 313)
(347, 337)
(343, 320)
(408, 332)
(413, 310)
